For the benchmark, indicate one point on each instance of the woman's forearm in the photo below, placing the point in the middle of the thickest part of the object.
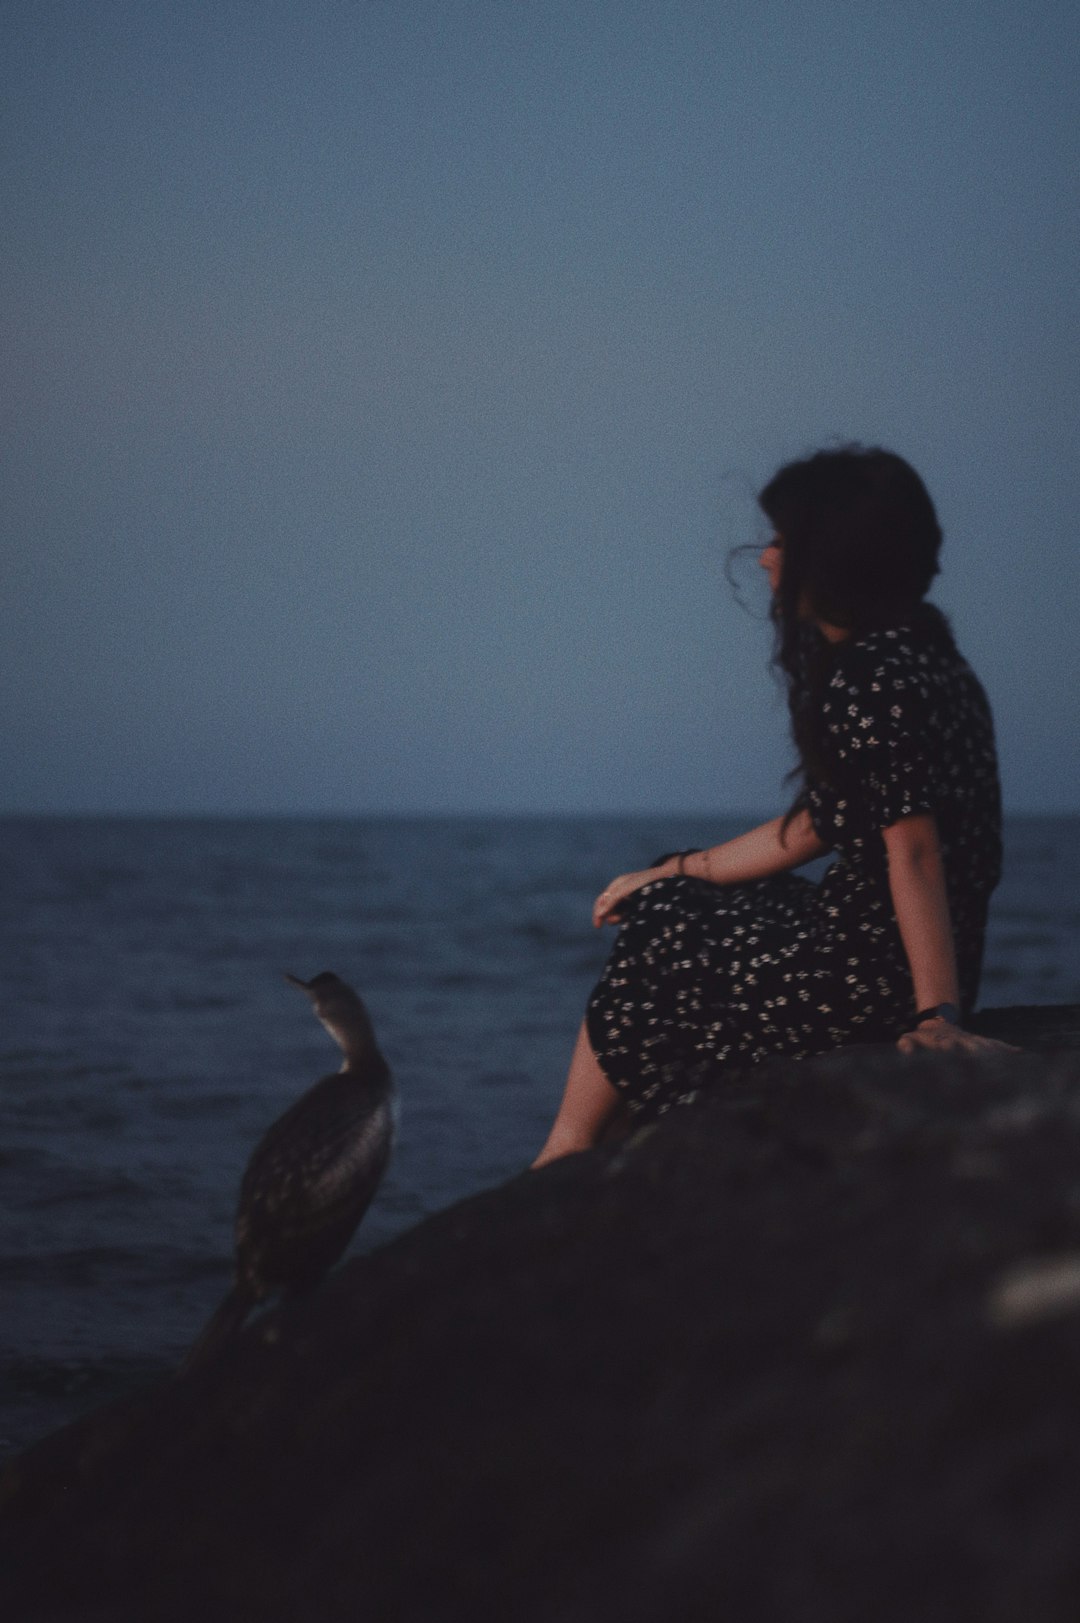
(770, 848)
(766, 850)
(921, 904)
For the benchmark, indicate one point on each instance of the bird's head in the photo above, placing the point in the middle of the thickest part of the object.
(343, 1014)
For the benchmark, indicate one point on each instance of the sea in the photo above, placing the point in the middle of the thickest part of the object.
(148, 1037)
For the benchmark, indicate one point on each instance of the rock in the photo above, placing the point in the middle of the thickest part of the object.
(805, 1352)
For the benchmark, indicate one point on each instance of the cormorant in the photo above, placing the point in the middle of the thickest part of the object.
(312, 1176)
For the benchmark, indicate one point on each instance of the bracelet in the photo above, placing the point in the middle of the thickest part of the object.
(940, 1011)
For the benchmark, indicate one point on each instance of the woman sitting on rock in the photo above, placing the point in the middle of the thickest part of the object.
(725, 957)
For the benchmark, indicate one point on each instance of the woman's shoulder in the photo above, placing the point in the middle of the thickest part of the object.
(909, 653)
(876, 661)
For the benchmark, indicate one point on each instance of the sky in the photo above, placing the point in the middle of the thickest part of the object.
(384, 383)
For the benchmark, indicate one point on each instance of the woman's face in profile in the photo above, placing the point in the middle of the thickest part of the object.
(770, 560)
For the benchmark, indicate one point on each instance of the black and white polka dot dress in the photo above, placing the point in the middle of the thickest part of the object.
(705, 975)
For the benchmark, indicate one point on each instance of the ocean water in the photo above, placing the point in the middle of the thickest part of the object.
(147, 1038)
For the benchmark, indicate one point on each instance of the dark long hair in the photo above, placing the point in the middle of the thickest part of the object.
(859, 545)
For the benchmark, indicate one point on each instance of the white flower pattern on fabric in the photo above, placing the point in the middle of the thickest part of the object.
(704, 976)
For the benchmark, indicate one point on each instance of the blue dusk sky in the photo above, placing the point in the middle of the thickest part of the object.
(385, 382)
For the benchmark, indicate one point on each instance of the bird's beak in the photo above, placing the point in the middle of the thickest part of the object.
(294, 980)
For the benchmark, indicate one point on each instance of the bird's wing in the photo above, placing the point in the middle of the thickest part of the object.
(330, 1156)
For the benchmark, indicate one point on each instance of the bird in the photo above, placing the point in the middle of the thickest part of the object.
(314, 1172)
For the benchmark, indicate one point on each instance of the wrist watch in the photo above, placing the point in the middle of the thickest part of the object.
(940, 1011)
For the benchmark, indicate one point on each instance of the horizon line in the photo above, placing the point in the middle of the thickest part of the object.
(415, 814)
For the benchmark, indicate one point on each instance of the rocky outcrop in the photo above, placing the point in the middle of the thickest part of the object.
(808, 1351)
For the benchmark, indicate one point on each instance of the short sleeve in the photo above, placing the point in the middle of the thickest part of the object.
(879, 725)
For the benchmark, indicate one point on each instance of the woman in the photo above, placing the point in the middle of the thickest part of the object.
(725, 956)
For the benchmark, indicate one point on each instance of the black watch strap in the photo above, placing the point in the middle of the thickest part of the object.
(940, 1011)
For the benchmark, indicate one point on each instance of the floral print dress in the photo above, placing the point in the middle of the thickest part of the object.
(705, 975)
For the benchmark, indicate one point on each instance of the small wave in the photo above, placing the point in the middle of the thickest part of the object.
(543, 935)
(162, 1002)
(94, 1267)
(24, 1158)
(82, 1267)
(999, 975)
(199, 1106)
(501, 1080)
(459, 978)
(113, 1187)
(36, 1071)
(203, 1000)
(69, 1377)
(27, 1056)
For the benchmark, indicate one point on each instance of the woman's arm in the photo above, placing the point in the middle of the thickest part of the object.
(921, 904)
(765, 850)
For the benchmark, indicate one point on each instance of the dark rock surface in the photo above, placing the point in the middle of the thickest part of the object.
(809, 1351)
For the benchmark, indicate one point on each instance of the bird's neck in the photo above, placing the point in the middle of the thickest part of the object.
(356, 1040)
(364, 1063)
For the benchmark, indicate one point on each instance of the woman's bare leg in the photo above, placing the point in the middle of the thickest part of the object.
(588, 1102)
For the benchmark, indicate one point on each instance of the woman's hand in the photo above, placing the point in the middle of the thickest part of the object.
(605, 907)
(942, 1037)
